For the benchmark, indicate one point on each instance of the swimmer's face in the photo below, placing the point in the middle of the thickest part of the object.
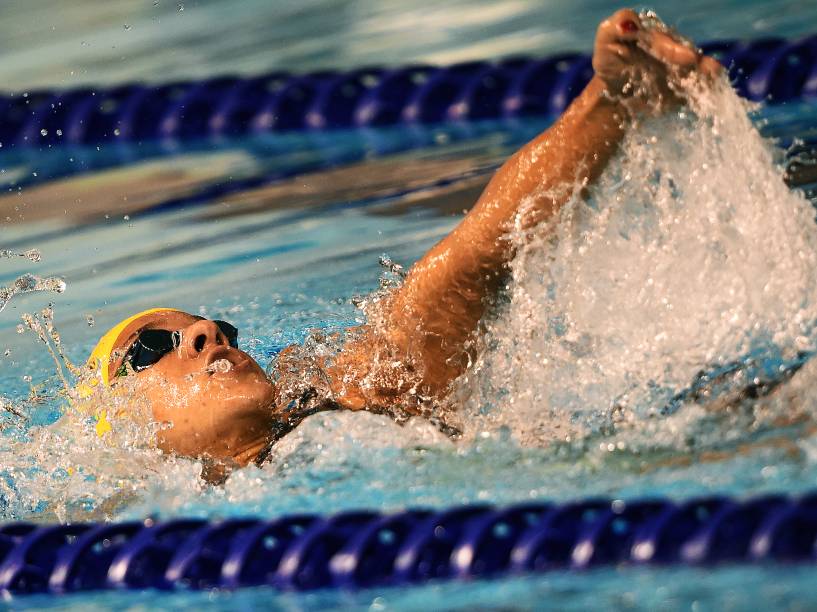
(212, 399)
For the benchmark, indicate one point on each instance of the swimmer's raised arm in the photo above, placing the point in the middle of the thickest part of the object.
(419, 342)
(214, 401)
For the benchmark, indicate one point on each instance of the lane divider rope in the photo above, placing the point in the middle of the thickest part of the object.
(354, 550)
(771, 69)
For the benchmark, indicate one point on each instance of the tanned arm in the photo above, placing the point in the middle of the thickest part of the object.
(419, 341)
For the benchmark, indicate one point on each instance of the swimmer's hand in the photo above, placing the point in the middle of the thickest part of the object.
(637, 57)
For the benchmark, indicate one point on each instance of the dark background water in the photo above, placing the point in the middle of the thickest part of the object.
(50, 43)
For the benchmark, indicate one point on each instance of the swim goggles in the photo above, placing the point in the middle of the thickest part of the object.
(153, 344)
(107, 356)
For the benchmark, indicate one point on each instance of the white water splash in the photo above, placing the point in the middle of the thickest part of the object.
(691, 252)
(28, 283)
(32, 254)
(220, 365)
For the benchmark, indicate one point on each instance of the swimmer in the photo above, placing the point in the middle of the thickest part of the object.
(218, 403)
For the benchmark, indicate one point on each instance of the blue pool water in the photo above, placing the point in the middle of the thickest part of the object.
(127, 227)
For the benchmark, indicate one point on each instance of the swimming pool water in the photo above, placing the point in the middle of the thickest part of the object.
(156, 41)
(278, 261)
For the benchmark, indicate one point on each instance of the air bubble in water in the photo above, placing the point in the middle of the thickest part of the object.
(89, 319)
(44, 132)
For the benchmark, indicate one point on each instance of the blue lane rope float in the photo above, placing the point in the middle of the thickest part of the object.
(354, 550)
(772, 69)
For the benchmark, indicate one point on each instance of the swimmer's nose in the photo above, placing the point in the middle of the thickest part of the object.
(200, 336)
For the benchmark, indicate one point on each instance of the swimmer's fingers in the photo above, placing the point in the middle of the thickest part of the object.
(622, 51)
(710, 67)
(615, 34)
(623, 26)
(629, 53)
(618, 57)
(625, 54)
(615, 49)
(673, 51)
(668, 50)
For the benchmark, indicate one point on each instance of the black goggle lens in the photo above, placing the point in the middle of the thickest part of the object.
(153, 344)
(150, 346)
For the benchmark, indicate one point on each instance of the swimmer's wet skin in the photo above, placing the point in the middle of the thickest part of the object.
(218, 402)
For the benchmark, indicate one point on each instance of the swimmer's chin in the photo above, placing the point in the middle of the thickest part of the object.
(216, 470)
(225, 415)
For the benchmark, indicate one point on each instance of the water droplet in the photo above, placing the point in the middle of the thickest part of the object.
(59, 132)
(90, 320)
(44, 132)
(28, 283)
(220, 365)
(117, 132)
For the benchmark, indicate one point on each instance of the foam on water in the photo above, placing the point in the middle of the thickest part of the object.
(690, 252)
